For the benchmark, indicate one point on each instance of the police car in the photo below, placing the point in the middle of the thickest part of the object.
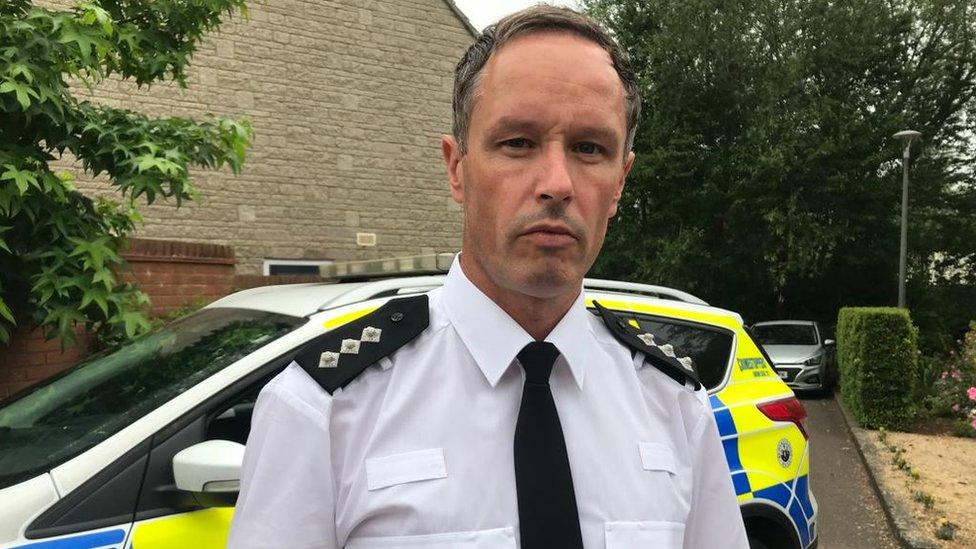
(141, 448)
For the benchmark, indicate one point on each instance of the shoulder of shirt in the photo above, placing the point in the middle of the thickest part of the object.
(658, 354)
(336, 358)
(294, 389)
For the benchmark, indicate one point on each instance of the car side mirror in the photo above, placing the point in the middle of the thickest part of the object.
(211, 470)
(829, 342)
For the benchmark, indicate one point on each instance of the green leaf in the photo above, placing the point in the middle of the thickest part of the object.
(23, 92)
(21, 178)
(106, 277)
(96, 251)
(146, 162)
(6, 313)
(70, 34)
(135, 323)
(64, 318)
(3, 242)
(97, 296)
(22, 70)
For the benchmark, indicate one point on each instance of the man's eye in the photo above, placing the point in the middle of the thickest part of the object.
(516, 143)
(589, 148)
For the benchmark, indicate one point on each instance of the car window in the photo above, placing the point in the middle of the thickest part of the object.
(233, 422)
(708, 346)
(785, 334)
(88, 403)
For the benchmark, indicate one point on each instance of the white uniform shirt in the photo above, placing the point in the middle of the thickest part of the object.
(417, 452)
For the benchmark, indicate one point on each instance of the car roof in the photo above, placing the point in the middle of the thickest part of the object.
(303, 300)
(795, 322)
(631, 288)
(307, 299)
(666, 306)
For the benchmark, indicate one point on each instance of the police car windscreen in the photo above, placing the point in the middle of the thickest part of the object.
(79, 408)
(709, 347)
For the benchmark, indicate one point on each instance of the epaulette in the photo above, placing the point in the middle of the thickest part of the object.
(334, 359)
(658, 353)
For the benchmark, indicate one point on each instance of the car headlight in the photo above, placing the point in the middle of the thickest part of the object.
(813, 361)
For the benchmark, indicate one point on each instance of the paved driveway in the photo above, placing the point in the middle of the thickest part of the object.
(850, 515)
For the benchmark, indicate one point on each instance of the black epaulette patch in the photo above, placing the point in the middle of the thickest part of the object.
(337, 357)
(658, 353)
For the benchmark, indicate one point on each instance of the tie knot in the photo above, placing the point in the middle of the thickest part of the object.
(537, 359)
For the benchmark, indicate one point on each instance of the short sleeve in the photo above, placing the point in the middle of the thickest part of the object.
(715, 519)
(287, 492)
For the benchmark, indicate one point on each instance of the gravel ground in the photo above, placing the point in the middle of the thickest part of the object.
(945, 466)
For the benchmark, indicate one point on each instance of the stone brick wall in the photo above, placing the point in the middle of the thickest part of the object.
(348, 100)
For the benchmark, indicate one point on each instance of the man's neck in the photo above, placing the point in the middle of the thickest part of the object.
(537, 316)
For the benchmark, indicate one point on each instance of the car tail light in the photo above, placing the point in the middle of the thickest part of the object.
(786, 409)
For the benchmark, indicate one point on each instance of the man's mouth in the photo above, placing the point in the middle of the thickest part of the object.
(550, 235)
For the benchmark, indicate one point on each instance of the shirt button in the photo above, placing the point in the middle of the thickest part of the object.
(396, 317)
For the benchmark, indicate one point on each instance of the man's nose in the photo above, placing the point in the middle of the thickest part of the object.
(555, 182)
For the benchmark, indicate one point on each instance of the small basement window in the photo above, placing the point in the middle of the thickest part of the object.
(294, 266)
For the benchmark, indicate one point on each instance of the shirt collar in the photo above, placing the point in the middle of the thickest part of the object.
(494, 339)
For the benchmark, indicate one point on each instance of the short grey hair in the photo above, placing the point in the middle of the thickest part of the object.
(541, 18)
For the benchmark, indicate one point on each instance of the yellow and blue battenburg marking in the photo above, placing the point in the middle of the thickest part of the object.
(791, 493)
(107, 539)
(751, 441)
(208, 528)
(730, 443)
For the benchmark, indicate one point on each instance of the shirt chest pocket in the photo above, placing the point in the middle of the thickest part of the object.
(658, 461)
(663, 476)
(407, 467)
(657, 457)
(641, 535)
(422, 470)
(498, 538)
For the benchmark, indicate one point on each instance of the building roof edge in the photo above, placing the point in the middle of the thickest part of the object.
(464, 18)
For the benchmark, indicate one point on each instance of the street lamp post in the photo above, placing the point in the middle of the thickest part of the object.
(906, 137)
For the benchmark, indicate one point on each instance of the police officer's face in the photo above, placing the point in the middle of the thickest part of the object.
(545, 163)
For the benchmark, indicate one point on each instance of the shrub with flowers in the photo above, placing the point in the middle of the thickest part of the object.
(953, 393)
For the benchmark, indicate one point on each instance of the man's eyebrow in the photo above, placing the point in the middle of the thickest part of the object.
(511, 123)
(514, 124)
(605, 134)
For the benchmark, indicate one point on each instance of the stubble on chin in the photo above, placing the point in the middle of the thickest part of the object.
(514, 265)
(542, 273)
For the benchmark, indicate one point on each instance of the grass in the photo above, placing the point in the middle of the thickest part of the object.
(946, 531)
(924, 498)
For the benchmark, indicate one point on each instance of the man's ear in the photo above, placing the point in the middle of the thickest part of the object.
(452, 158)
(619, 189)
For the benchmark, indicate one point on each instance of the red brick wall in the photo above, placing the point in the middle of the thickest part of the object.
(172, 273)
(29, 358)
(175, 274)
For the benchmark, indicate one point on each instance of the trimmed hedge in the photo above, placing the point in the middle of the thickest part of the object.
(877, 353)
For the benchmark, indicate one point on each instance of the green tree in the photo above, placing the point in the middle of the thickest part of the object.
(59, 249)
(766, 177)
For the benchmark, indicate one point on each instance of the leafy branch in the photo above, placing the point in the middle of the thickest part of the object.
(59, 249)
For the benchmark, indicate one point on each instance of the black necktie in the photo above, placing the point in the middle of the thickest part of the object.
(548, 517)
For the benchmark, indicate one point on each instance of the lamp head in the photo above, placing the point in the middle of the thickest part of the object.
(906, 136)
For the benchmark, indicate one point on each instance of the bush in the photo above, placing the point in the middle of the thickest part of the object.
(877, 353)
(946, 386)
(954, 393)
(947, 396)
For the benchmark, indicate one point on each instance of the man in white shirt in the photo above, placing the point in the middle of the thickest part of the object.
(501, 414)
